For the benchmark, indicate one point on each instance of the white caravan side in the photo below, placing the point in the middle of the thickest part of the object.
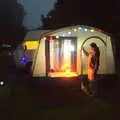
(24, 53)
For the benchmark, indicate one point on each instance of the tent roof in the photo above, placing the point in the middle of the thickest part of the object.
(35, 34)
(70, 29)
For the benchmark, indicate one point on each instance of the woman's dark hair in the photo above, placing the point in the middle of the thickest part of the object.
(93, 45)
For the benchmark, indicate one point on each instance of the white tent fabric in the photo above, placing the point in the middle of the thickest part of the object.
(84, 36)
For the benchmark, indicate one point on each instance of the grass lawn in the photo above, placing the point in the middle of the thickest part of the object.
(56, 103)
(4, 102)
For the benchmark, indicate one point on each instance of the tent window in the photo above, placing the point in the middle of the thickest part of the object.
(61, 57)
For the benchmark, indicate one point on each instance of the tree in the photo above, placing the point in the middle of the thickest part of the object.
(11, 22)
(101, 14)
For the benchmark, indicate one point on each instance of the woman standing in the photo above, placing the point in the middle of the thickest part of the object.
(92, 66)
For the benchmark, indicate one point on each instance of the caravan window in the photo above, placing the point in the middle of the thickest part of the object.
(30, 45)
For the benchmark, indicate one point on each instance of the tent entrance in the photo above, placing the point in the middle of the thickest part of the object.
(103, 54)
(61, 57)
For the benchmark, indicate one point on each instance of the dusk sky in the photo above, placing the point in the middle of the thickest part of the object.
(34, 9)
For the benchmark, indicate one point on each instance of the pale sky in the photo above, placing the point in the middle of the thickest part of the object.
(34, 9)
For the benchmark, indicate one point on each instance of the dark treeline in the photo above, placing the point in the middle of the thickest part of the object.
(12, 30)
(103, 14)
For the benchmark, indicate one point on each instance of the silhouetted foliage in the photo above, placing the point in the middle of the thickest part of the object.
(11, 22)
(102, 14)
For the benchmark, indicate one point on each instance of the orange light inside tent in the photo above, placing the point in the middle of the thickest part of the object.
(65, 67)
(68, 70)
(63, 74)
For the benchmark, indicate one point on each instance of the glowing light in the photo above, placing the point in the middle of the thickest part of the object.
(57, 36)
(86, 29)
(68, 70)
(48, 37)
(44, 38)
(23, 59)
(92, 30)
(1, 83)
(63, 35)
(75, 30)
(100, 30)
(69, 48)
(72, 48)
(31, 45)
(69, 33)
(63, 74)
(80, 28)
(65, 66)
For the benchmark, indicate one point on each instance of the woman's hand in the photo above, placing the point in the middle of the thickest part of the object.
(85, 52)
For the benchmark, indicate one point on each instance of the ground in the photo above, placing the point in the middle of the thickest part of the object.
(23, 99)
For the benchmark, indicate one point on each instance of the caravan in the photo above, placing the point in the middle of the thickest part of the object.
(24, 53)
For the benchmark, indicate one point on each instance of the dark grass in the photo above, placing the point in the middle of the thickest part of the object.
(44, 99)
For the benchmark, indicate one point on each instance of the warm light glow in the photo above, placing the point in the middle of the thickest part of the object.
(31, 45)
(75, 30)
(68, 70)
(69, 33)
(1, 83)
(44, 38)
(61, 66)
(61, 63)
(57, 36)
(86, 29)
(63, 74)
(68, 48)
(92, 30)
(65, 67)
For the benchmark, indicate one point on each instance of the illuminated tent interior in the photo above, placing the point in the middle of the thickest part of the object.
(59, 53)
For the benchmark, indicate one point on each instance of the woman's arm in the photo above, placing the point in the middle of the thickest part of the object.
(85, 52)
